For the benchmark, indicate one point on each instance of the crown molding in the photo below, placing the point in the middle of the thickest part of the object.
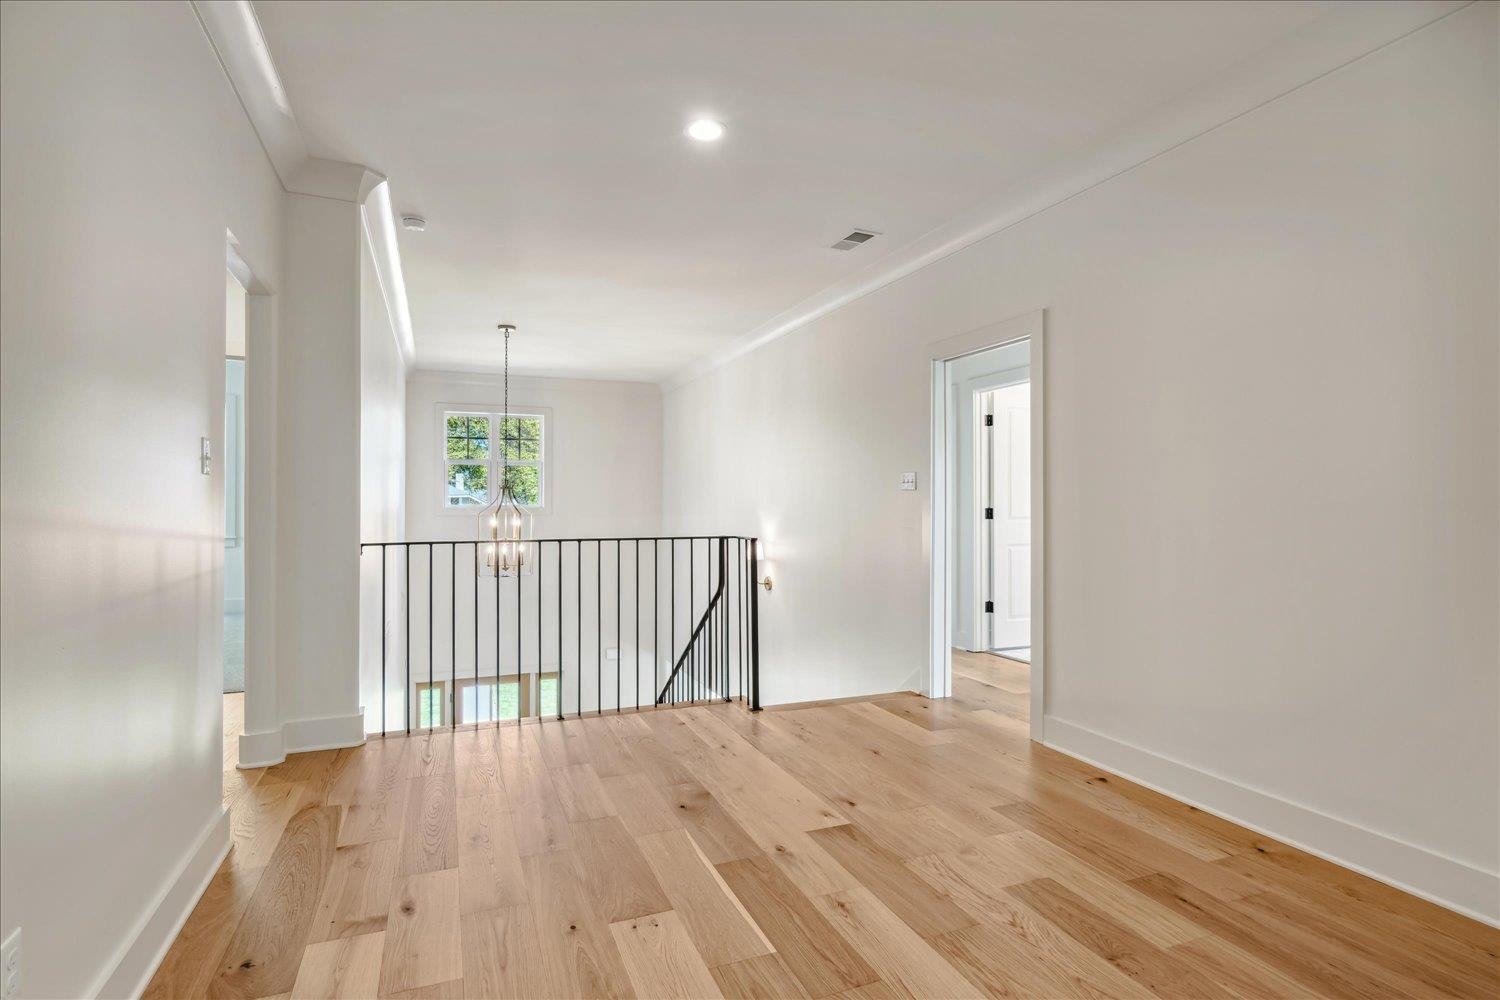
(1333, 41)
(234, 31)
(380, 232)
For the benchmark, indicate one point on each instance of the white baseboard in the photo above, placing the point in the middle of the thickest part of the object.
(140, 955)
(261, 749)
(299, 736)
(1435, 877)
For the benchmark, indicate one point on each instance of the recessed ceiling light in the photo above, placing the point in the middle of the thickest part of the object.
(705, 130)
(414, 223)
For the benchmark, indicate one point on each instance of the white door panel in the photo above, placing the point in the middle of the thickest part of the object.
(1010, 530)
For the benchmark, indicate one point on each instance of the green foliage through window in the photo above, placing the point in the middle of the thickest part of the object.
(476, 449)
(430, 706)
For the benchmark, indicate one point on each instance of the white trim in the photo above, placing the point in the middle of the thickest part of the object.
(236, 264)
(301, 736)
(1435, 877)
(380, 233)
(261, 749)
(1030, 327)
(1325, 46)
(138, 958)
(235, 33)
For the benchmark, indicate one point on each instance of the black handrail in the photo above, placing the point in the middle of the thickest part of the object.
(550, 541)
(541, 652)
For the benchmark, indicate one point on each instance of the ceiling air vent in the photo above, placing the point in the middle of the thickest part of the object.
(854, 239)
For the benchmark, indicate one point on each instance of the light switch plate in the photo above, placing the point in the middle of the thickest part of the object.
(205, 456)
(908, 480)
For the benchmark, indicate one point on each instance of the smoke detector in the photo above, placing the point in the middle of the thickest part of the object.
(413, 223)
(857, 238)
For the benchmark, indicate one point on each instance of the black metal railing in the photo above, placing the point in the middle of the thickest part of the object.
(597, 625)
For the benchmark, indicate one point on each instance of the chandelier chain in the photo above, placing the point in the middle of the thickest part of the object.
(504, 419)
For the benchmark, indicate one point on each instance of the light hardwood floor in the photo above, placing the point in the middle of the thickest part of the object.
(870, 848)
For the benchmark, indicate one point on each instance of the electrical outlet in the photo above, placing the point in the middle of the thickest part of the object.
(908, 481)
(205, 456)
(10, 966)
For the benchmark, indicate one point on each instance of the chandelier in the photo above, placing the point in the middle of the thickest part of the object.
(505, 525)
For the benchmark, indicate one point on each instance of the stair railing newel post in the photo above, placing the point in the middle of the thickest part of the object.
(755, 625)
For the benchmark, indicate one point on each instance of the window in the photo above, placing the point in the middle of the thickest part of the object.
(432, 704)
(487, 701)
(477, 446)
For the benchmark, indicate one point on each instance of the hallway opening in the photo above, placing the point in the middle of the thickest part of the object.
(987, 510)
(232, 455)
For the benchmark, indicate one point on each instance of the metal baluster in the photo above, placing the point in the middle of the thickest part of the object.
(692, 618)
(754, 626)
(427, 698)
(453, 633)
(476, 637)
(519, 631)
(672, 617)
(383, 682)
(724, 617)
(406, 700)
(495, 709)
(578, 609)
(740, 609)
(655, 614)
(619, 649)
(637, 568)
(598, 627)
(538, 631)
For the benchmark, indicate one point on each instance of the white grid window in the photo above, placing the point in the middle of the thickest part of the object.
(478, 446)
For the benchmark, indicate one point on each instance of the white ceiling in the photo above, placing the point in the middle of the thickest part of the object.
(543, 142)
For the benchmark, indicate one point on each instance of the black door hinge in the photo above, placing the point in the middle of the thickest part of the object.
(989, 607)
(989, 420)
(989, 513)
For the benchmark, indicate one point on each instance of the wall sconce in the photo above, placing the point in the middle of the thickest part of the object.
(760, 555)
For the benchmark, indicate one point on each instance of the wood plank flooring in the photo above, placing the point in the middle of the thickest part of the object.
(891, 846)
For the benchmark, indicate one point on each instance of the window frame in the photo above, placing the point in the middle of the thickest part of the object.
(530, 692)
(444, 410)
(423, 687)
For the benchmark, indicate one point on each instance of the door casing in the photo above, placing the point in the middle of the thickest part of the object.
(941, 505)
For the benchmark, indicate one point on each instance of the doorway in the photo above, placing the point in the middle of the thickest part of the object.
(987, 562)
(232, 456)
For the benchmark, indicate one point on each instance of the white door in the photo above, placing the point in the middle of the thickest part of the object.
(1008, 516)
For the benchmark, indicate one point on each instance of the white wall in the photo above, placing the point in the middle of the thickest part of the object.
(319, 415)
(382, 447)
(604, 470)
(382, 414)
(125, 157)
(1272, 500)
